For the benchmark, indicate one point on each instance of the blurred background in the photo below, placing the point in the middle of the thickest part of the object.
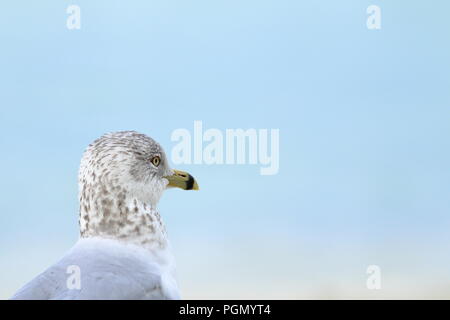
(364, 138)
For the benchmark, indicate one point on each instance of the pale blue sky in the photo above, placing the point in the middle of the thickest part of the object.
(364, 137)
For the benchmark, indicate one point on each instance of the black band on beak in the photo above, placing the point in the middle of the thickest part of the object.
(190, 183)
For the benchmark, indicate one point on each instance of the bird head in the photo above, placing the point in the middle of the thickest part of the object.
(132, 163)
(121, 179)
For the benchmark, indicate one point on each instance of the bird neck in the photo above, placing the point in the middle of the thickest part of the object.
(122, 218)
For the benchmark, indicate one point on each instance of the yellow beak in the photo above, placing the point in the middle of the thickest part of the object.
(183, 180)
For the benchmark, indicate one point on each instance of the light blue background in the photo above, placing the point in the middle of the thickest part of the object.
(364, 137)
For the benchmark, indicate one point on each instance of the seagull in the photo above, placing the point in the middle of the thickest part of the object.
(123, 251)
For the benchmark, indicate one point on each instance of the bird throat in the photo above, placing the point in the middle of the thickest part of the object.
(121, 218)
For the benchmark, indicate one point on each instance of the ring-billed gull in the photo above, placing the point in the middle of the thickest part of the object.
(123, 251)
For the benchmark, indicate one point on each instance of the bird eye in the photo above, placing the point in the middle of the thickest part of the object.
(156, 161)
